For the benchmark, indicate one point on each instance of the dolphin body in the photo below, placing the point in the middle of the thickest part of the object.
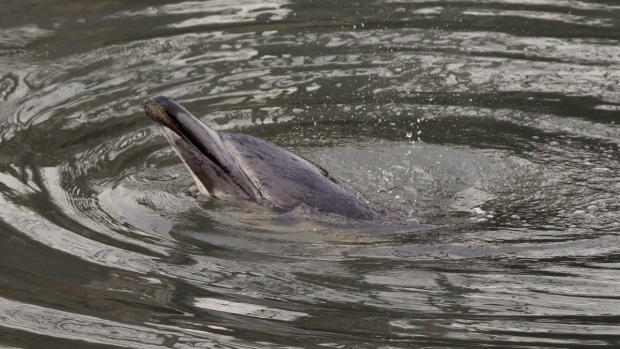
(249, 168)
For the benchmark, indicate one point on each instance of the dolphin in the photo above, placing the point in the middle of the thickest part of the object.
(249, 168)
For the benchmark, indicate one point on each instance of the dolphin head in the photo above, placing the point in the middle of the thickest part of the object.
(202, 149)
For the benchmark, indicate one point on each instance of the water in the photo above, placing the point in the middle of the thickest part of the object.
(493, 120)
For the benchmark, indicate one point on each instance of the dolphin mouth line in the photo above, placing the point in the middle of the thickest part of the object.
(164, 118)
(168, 114)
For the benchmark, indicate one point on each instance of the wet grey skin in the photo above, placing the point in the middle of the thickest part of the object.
(249, 168)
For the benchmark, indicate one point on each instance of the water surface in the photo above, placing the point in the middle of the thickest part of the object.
(493, 120)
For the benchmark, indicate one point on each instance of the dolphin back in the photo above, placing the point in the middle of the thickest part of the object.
(287, 180)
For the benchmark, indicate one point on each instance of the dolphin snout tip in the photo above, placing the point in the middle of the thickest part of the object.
(163, 110)
(154, 101)
(158, 105)
(155, 108)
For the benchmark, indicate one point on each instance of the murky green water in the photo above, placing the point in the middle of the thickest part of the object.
(494, 120)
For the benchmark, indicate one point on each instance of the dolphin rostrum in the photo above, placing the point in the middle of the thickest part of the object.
(249, 168)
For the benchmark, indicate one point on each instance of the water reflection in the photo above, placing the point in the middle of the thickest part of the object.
(222, 12)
